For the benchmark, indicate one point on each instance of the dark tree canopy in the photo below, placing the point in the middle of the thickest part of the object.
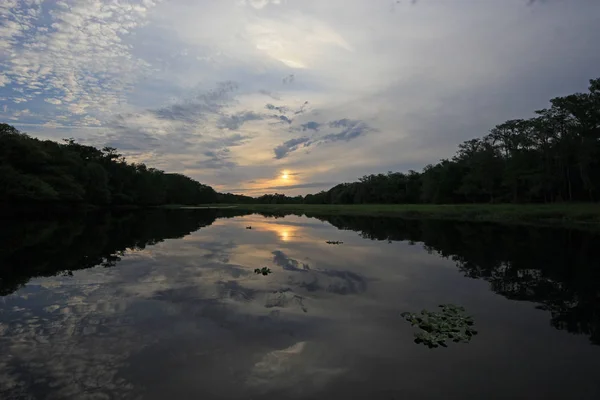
(34, 171)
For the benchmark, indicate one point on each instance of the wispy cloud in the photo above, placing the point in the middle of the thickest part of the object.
(289, 264)
(235, 121)
(310, 125)
(216, 160)
(350, 129)
(196, 107)
(287, 147)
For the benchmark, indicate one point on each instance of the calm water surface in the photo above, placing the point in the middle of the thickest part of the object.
(165, 304)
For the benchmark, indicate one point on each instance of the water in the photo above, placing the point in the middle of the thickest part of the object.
(165, 304)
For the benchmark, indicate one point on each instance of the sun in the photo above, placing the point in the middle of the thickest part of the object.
(285, 175)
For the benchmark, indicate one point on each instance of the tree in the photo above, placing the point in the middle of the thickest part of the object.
(35, 171)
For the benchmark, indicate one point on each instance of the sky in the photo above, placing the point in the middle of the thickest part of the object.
(287, 96)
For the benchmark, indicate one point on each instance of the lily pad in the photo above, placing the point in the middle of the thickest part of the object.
(438, 327)
(263, 270)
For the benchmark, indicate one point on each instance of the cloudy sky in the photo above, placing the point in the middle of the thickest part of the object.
(293, 96)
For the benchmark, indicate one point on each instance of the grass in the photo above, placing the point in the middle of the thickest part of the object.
(578, 215)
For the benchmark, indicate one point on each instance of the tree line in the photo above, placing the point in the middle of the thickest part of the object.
(34, 171)
(551, 157)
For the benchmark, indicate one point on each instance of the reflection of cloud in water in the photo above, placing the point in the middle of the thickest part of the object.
(81, 342)
(284, 297)
(219, 251)
(339, 282)
(71, 350)
(291, 368)
(287, 263)
(233, 290)
(345, 282)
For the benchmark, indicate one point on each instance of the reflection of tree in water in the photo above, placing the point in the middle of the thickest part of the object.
(49, 247)
(556, 268)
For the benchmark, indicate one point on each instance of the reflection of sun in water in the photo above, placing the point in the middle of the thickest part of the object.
(283, 232)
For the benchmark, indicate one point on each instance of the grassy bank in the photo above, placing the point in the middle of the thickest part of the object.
(567, 215)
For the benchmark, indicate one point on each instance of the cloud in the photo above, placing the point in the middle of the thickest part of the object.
(261, 3)
(216, 160)
(219, 153)
(288, 79)
(53, 101)
(287, 147)
(74, 51)
(235, 121)
(196, 107)
(270, 94)
(282, 119)
(281, 109)
(302, 108)
(235, 139)
(311, 125)
(351, 129)
(180, 129)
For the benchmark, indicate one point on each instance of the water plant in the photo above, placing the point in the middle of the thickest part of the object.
(438, 327)
(263, 270)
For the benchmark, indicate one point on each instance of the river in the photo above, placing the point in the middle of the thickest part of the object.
(166, 304)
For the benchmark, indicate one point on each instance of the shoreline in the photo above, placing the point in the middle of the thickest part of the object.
(583, 216)
(580, 216)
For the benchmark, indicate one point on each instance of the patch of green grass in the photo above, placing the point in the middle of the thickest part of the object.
(438, 327)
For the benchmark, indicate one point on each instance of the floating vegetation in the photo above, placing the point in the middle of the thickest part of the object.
(333, 242)
(438, 327)
(263, 270)
(248, 227)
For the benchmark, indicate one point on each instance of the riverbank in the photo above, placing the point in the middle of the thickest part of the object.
(581, 216)
(585, 216)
